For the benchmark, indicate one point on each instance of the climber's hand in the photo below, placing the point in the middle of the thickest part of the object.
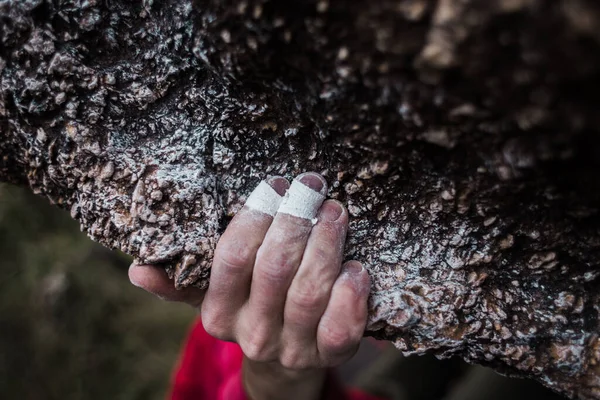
(278, 288)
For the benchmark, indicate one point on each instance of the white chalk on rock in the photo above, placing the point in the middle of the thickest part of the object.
(301, 201)
(264, 199)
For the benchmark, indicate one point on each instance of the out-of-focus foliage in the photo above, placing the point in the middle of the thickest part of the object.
(71, 324)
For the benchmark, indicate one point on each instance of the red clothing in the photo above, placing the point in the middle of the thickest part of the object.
(210, 369)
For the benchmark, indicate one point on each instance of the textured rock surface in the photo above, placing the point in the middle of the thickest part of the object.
(462, 134)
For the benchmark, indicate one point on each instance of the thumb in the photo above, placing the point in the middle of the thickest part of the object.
(154, 279)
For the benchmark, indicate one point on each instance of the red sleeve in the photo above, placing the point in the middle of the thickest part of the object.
(210, 369)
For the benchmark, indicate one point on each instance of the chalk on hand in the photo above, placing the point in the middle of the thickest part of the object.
(301, 201)
(264, 199)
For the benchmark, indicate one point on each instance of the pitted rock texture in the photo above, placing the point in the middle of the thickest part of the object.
(461, 134)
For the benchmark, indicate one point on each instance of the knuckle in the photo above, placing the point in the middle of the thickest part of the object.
(272, 273)
(276, 268)
(322, 253)
(287, 230)
(336, 340)
(234, 258)
(308, 296)
(215, 326)
(294, 227)
(257, 349)
(294, 360)
(288, 364)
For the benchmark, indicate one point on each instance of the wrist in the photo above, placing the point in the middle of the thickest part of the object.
(271, 381)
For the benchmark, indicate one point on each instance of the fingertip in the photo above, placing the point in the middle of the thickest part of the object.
(314, 181)
(304, 197)
(265, 199)
(133, 275)
(153, 279)
(353, 267)
(332, 211)
(356, 273)
(145, 276)
(279, 184)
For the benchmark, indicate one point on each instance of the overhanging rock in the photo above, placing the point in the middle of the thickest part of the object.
(462, 135)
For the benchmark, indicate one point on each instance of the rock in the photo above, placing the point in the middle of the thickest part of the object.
(462, 134)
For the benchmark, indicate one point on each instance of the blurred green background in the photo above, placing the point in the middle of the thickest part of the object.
(71, 324)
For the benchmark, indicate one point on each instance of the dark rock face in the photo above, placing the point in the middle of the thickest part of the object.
(462, 135)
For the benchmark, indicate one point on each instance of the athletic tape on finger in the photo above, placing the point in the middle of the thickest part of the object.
(264, 199)
(301, 201)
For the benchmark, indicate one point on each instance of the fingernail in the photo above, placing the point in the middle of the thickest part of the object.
(279, 184)
(353, 267)
(330, 211)
(314, 181)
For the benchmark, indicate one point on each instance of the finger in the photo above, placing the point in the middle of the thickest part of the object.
(234, 258)
(154, 279)
(310, 290)
(277, 260)
(343, 323)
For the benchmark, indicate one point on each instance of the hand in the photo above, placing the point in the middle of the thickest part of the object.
(279, 290)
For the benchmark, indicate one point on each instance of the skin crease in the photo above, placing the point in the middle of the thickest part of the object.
(279, 289)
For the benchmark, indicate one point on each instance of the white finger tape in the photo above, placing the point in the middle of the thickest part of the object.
(264, 199)
(301, 201)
